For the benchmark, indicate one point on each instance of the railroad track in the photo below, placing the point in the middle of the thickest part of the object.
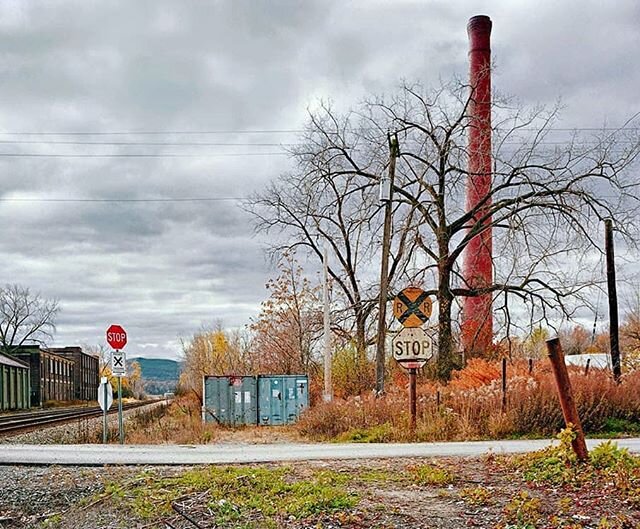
(17, 422)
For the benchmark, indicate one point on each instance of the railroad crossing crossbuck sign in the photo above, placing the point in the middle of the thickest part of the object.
(118, 367)
(412, 348)
(412, 307)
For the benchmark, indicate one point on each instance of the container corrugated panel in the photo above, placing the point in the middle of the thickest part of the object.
(282, 398)
(230, 400)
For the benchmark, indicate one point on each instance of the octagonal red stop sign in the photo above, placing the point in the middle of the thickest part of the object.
(116, 337)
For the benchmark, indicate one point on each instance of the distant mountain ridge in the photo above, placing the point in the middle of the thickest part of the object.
(159, 375)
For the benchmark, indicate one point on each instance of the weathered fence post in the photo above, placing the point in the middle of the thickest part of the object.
(569, 409)
(504, 385)
(586, 367)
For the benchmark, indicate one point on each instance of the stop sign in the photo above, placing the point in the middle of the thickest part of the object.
(116, 337)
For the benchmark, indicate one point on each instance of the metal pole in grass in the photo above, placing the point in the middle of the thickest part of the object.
(412, 398)
(120, 421)
(569, 409)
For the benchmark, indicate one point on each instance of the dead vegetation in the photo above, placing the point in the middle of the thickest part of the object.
(471, 407)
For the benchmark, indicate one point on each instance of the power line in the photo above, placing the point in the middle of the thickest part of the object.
(147, 132)
(259, 131)
(123, 200)
(137, 155)
(145, 143)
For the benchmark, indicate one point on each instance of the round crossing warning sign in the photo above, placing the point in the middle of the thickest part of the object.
(412, 307)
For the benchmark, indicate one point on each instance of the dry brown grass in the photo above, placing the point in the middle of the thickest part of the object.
(181, 423)
(471, 407)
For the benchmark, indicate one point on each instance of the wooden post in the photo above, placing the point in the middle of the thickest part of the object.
(569, 410)
(586, 367)
(412, 398)
(530, 365)
(384, 269)
(613, 300)
(504, 385)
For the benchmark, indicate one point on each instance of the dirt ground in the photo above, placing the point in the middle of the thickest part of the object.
(479, 493)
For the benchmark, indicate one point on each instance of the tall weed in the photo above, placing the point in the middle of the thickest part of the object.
(471, 406)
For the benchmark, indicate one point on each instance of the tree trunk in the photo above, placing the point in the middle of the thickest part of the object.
(361, 335)
(447, 357)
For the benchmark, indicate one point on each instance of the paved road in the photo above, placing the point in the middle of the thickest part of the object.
(88, 455)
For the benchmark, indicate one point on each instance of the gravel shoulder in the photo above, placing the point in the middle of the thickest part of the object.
(85, 430)
(386, 497)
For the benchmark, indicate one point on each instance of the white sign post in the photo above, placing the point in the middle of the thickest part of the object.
(105, 399)
(117, 338)
(119, 369)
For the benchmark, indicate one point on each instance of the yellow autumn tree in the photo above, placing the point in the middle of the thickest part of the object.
(212, 352)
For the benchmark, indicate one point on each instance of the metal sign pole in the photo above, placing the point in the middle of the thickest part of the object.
(412, 397)
(104, 417)
(120, 424)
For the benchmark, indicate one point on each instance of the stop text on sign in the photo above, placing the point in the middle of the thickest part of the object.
(116, 337)
(412, 344)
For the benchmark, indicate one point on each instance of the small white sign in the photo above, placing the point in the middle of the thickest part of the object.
(105, 394)
(412, 344)
(118, 364)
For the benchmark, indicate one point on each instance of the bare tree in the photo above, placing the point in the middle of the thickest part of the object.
(543, 208)
(25, 317)
(289, 325)
(324, 203)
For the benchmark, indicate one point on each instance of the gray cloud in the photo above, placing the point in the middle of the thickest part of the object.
(164, 269)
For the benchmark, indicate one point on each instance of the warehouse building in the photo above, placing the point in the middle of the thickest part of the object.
(86, 371)
(51, 376)
(14, 384)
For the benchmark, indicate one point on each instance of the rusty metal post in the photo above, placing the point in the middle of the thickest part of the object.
(569, 409)
(586, 368)
(504, 385)
(412, 398)
(477, 315)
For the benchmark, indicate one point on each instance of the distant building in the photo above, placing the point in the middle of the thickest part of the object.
(86, 372)
(51, 375)
(59, 373)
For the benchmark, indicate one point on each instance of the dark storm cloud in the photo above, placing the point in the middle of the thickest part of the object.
(165, 269)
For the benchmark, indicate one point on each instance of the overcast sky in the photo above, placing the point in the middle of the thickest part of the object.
(163, 269)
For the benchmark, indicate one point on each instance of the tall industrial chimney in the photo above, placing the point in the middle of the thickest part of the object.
(477, 317)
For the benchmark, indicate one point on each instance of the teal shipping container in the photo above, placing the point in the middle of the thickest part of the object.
(281, 398)
(230, 400)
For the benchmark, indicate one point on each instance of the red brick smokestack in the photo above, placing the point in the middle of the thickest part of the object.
(477, 317)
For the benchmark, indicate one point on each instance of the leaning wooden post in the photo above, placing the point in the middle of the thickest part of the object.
(569, 409)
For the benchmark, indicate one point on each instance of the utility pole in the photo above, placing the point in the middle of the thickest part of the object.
(386, 196)
(328, 391)
(613, 300)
